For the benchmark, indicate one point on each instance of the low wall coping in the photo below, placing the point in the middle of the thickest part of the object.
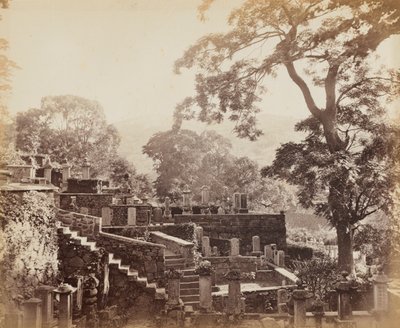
(242, 215)
(85, 193)
(130, 240)
(286, 273)
(176, 240)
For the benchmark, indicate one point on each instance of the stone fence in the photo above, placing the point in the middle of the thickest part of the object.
(176, 245)
(270, 227)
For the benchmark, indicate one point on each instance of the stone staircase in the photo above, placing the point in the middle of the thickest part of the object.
(132, 274)
(189, 287)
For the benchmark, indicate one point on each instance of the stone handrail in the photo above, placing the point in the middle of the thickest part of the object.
(175, 245)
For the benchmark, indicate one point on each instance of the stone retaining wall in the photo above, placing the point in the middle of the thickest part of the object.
(86, 225)
(93, 202)
(269, 227)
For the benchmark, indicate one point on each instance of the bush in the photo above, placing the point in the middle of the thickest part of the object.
(319, 274)
(29, 245)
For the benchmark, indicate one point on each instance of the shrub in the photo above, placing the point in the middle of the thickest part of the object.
(319, 274)
(29, 238)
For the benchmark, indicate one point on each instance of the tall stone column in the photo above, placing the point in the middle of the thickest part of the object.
(32, 313)
(381, 297)
(205, 289)
(45, 294)
(234, 304)
(65, 292)
(344, 290)
(299, 297)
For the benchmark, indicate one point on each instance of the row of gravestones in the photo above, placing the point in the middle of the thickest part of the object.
(271, 252)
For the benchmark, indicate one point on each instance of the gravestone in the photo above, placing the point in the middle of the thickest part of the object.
(131, 216)
(235, 244)
(106, 215)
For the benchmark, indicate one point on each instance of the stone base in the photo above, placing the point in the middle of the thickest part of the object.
(345, 323)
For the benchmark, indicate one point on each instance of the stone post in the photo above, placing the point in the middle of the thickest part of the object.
(167, 210)
(205, 289)
(256, 246)
(205, 246)
(199, 234)
(77, 281)
(299, 298)
(131, 216)
(268, 253)
(32, 317)
(86, 169)
(106, 215)
(235, 246)
(187, 206)
(47, 168)
(65, 306)
(380, 282)
(205, 195)
(13, 319)
(157, 215)
(282, 301)
(343, 289)
(174, 289)
(45, 294)
(281, 259)
(234, 304)
(275, 256)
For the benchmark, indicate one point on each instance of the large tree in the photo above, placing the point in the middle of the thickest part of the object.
(333, 41)
(68, 128)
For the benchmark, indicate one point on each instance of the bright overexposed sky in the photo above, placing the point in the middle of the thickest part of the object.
(120, 53)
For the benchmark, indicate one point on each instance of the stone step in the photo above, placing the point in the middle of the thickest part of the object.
(190, 291)
(194, 304)
(190, 284)
(180, 260)
(170, 257)
(190, 298)
(189, 272)
(190, 278)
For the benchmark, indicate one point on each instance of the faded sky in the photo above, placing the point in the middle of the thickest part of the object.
(120, 53)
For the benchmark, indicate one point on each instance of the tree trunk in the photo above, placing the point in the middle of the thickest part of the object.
(345, 247)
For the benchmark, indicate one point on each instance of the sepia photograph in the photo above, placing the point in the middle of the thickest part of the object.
(199, 163)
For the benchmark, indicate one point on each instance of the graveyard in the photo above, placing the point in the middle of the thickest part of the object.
(120, 258)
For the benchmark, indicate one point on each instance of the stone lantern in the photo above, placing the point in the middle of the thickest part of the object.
(187, 206)
(86, 169)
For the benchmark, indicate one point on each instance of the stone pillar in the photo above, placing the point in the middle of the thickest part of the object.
(256, 246)
(343, 289)
(45, 294)
(47, 168)
(65, 306)
(77, 281)
(13, 319)
(167, 210)
(299, 298)
(157, 215)
(235, 247)
(199, 234)
(205, 246)
(282, 301)
(205, 195)
(174, 291)
(131, 216)
(106, 215)
(186, 195)
(380, 282)
(86, 169)
(234, 304)
(281, 259)
(32, 317)
(268, 253)
(66, 172)
(205, 289)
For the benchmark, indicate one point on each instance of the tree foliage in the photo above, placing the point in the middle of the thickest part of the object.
(343, 166)
(68, 128)
(183, 157)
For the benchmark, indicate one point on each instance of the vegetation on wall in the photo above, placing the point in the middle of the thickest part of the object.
(28, 245)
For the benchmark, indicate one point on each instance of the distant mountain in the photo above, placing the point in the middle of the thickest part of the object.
(277, 130)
